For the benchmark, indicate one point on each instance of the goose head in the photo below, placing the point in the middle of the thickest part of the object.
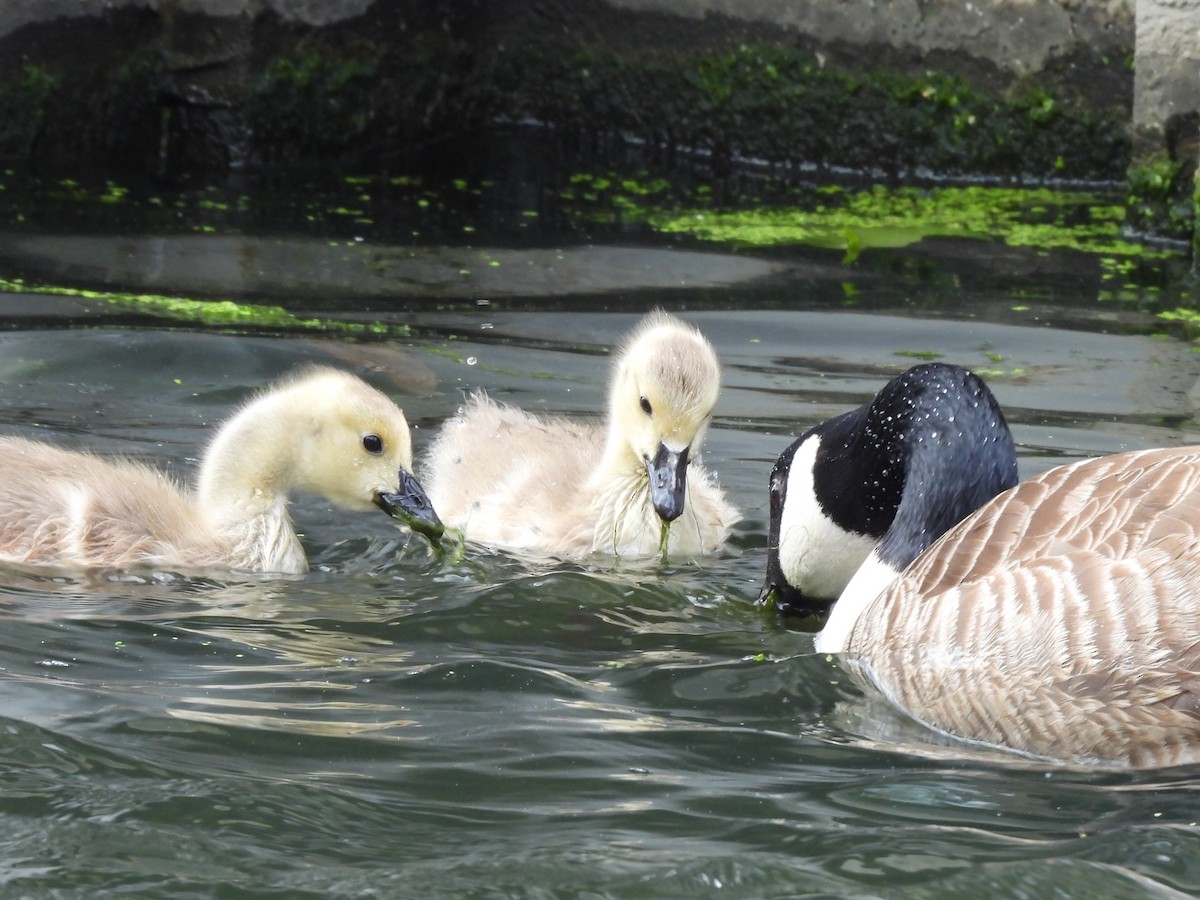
(663, 391)
(325, 432)
(857, 498)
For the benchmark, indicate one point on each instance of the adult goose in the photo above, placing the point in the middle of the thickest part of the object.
(630, 487)
(1060, 620)
(322, 431)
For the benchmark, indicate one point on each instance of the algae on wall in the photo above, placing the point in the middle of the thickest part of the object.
(783, 107)
(1161, 199)
(1196, 221)
(408, 79)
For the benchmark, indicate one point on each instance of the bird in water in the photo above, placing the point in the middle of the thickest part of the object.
(322, 431)
(1060, 620)
(630, 487)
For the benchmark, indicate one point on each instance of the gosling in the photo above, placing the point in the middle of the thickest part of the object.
(629, 488)
(321, 431)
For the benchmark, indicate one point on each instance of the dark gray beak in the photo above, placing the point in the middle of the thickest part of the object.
(412, 507)
(668, 482)
(777, 591)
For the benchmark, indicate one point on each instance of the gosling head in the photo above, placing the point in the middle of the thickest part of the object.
(663, 392)
(348, 443)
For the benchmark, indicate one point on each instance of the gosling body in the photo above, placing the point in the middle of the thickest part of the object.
(556, 487)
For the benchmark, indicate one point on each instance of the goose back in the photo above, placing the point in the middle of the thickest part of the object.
(533, 484)
(51, 511)
(513, 479)
(1060, 620)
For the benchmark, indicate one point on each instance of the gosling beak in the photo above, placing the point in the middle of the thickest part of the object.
(668, 482)
(412, 507)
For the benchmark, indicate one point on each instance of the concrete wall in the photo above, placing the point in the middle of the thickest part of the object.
(1167, 65)
(15, 14)
(1020, 36)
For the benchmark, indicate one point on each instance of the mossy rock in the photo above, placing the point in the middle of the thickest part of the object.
(782, 106)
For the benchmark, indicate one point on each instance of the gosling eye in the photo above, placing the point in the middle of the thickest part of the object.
(646, 406)
(372, 443)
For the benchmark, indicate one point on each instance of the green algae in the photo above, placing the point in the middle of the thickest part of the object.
(854, 221)
(1161, 198)
(850, 220)
(331, 208)
(787, 106)
(358, 96)
(1187, 319)
(857, 221)
(24, 103)
(210, 313)
(664, 540)
(1196, 221)
(451, 550)
(309, 105)
(59, 111)
(891, 218)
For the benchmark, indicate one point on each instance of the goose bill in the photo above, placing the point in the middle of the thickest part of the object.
(668, 482)
(786, 599)
(778, 592)
(412, 507)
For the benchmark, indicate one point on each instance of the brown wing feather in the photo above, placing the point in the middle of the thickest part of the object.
(1061, 620)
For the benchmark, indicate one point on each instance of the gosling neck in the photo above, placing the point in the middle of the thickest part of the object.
(246, 470)
(619, 460)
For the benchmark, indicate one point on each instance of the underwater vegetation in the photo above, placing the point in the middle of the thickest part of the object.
(850, 224)
(882, 217)
(221, 315)
(1162, 199)
(854, 219)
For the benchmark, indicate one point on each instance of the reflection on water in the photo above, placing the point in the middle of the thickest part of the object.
(396, 725)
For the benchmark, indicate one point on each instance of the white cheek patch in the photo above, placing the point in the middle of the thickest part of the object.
(816, 556)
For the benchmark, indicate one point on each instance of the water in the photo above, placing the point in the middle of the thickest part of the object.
(392, 725)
